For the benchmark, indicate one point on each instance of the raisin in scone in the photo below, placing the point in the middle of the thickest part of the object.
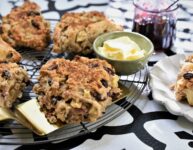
(26, 27)
(184, 85)
(76, 91)
(7, 53)
(13, 80)
(76, 32)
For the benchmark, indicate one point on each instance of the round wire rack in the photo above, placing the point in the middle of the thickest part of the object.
(13, 133)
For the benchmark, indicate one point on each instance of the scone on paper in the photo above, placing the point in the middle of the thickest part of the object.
(24, 26)
(7, 53)
(184, 84)
(13, 80)
(76, 32)
(76, 91)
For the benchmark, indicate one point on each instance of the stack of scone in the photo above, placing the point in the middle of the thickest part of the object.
(13, 78)
(184, 84)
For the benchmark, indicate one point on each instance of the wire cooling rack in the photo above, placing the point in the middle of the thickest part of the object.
(13, 133)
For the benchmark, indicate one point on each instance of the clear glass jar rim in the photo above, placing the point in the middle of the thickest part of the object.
(154, 11)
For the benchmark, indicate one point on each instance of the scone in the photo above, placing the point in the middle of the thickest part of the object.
(76, 32)
(7, 53)
(184, 85)
(13, 80)
(26, 27)
(76, 91)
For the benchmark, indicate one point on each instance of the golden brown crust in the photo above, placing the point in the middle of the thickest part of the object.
(77, 31)
(77, 90)
(182, 84)
(25, 27)
(7, 53)
(183, 87)
(13, 80)
(189, 59)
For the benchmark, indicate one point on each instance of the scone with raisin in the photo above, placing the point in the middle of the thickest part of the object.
(76, 32)
(7, 53)
(26, 27)
(76, 91)
(184, 85)
(13, 80)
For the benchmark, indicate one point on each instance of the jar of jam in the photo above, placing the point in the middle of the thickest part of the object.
(156, 19)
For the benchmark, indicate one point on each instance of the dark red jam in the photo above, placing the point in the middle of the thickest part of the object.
(159, 29)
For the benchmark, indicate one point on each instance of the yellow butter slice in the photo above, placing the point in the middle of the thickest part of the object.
(122, 48)
(5, 114)
(30, 110)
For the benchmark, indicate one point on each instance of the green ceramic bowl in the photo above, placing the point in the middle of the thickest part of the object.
(126, 67)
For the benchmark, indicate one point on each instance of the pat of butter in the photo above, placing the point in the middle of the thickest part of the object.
(122, 48)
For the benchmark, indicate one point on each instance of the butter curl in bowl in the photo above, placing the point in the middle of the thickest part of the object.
(128, 52)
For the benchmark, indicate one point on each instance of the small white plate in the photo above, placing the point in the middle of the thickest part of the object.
(162, 76)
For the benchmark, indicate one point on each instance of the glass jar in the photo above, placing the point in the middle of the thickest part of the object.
(156, 20)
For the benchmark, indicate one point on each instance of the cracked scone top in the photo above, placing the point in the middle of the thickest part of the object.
(77, 90)
(24, 26)
(76, 32)
(13, 80)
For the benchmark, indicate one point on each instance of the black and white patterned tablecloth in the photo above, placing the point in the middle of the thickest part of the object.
(146, 125)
